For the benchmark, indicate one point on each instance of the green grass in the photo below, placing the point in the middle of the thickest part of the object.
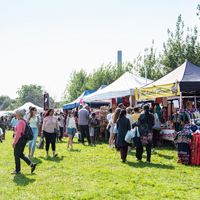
(96, 172)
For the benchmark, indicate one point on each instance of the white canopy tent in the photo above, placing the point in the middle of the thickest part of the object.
(28, 104)
(123, 86)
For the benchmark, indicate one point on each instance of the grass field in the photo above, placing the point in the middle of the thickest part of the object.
(96, 172)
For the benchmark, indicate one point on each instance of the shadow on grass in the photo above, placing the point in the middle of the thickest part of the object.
(149, 165)
(53, 159)
(22, 180)
(75, 150)
(36, 160)
(165, 156)
(62, 141)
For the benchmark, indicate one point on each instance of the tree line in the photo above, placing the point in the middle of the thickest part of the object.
(27, 93)
(182, 45)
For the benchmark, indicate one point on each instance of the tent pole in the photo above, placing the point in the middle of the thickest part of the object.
(111, 103)
(131, 102)
(146, 74)
(195, 101)
(180, 100)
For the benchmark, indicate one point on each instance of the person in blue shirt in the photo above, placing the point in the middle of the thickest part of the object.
(14, 122)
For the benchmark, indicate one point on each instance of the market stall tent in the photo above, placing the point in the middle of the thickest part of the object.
(186, 78)
(28, 104)
(123, 86)
(76, 102)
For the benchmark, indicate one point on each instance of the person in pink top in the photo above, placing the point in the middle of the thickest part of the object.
(20, 143)
(49, 128)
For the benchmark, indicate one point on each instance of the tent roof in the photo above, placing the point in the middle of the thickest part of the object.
(188, 75)
(28, 104)
(76, 102)
(123, 86)
(102, 87)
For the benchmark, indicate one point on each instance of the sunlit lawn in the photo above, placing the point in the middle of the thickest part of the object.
(96, 172)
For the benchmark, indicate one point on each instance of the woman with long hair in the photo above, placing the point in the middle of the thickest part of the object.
(112, 123)
(50, 127)
(71, 128)
(123, 126)
(33, 120)
(145, 127)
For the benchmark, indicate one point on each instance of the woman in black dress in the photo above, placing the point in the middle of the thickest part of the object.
(123, 125)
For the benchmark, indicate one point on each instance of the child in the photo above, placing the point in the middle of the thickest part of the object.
(71, 128)
(93, 123)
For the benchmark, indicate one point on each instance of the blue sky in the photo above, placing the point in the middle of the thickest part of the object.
(41, 42)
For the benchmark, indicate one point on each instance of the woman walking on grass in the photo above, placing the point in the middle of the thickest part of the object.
(33, 120)
(71, 128)
(123, 125)
(145, 127)
(50, 127)
(20, 143)
(113, 128)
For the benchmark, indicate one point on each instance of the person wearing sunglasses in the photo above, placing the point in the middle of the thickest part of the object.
(33, 120)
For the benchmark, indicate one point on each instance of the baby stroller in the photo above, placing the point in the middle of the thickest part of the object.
(1, 134)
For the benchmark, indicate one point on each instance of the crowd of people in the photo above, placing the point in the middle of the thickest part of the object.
(52, 127)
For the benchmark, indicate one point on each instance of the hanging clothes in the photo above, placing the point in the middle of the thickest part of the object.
(182, 140)
(177, 119)
(195, 149)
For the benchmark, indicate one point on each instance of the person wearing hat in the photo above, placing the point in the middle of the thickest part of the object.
(145, 127)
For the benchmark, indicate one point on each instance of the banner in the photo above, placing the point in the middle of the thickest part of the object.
(168, 90)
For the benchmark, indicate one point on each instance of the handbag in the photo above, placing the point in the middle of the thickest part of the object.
(41, 144)
(136, 139)
(129, 136)
(157, 125)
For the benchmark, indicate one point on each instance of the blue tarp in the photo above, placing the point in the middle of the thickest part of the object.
(76, 103)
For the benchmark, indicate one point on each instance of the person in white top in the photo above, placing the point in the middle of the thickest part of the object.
(61, 126)
(110, 114)
(33, 120)
(112, 124)
(129, 115)
(71, 128)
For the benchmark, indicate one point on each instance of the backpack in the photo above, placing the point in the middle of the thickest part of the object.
(28, 134)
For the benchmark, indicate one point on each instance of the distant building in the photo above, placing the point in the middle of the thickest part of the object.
(119, 58)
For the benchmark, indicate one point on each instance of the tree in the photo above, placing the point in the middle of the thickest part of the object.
(31, 93)
(149, 61)
(180, 48)
(5, 102)
(76, 85)
(105, 75)
(198, 8)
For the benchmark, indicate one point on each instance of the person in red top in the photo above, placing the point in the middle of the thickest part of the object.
(20, 143)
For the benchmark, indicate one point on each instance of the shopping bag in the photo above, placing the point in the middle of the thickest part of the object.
(129, 136)
(157, 125)
(41, 144)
